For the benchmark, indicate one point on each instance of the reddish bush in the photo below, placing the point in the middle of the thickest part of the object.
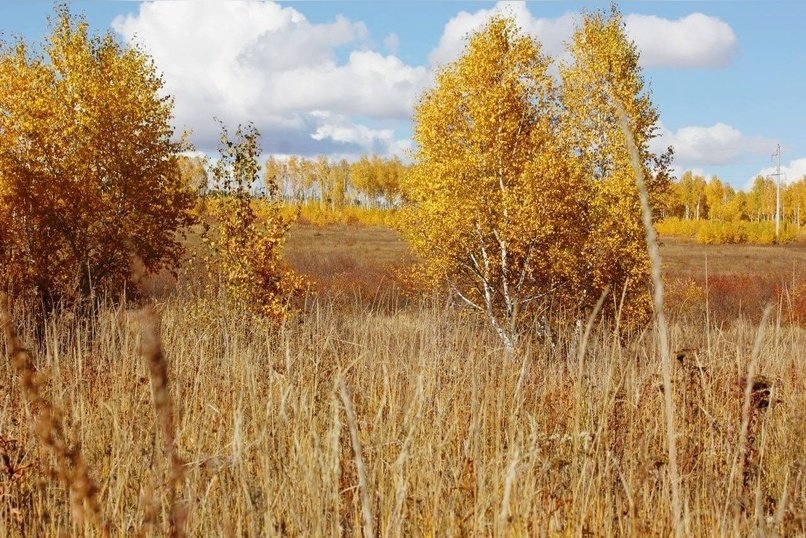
(731, 296)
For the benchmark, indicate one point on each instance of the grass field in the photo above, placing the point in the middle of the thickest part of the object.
(323, 251)
(345, 258)
(741, 279)
(686, 258)
(400, 418)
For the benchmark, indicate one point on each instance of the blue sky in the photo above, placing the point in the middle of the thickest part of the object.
(340, 78)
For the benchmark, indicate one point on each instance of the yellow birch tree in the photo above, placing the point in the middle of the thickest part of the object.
(497, 207)
(604, 69)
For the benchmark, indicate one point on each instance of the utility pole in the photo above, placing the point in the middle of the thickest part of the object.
(777, 192)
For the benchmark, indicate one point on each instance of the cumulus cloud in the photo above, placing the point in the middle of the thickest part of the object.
(304, 84)
(694, 41)
(718, 144)
(791, 172)
(262, 62)
(340, 129)
(344, 133)
(369, 84)
(551, 32)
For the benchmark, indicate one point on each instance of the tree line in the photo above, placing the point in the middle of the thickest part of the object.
(371, 181)
(693, 197)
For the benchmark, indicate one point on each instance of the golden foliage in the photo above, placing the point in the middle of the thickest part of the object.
(719, 232)
(376, 177)
(712, 212)
(370, 181)
(243, 246)
(88, 167)
(604, 71)
(516, 194)
(495, 203)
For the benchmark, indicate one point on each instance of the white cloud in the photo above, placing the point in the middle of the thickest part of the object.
(368, 141)
(340, 129)
(262, 62)
(718, 144)
(694, 41)
(791, 172)
(677, 171)
(369, 84)
(404, 149)
(551, 32)
(258, 61)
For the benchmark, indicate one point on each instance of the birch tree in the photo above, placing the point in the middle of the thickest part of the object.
(497, 208)
(604, 69)
(90, 174)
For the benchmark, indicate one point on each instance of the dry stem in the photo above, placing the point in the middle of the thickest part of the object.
(663, 330)
(158, 371)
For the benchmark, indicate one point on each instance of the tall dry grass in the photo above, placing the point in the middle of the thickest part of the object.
(452, 440)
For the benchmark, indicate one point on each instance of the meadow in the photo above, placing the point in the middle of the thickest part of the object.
(294, 367)
(371, 412)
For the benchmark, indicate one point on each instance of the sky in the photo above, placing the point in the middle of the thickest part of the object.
(341, 78)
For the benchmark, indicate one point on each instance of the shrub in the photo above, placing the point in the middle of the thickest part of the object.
(244, 244)
(686, 297)
(798, 303)
(89, 178)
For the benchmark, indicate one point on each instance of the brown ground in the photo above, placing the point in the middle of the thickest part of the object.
(682, 258)
(345, 257)
(365, 251)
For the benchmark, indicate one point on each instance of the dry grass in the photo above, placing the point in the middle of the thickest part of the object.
(358, 263)
(347, 260)
(330, 250)
(687, 259)
(47, 420)
(452, 440)
(381, 415)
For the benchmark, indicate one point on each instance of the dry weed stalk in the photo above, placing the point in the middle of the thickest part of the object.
(158, 371)
(589, 324)
(660, 315)
(509, 481)
(363, 484)
(692, 412)
(743, 455)
(72, 469)
(759, 401)
(395, 524)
